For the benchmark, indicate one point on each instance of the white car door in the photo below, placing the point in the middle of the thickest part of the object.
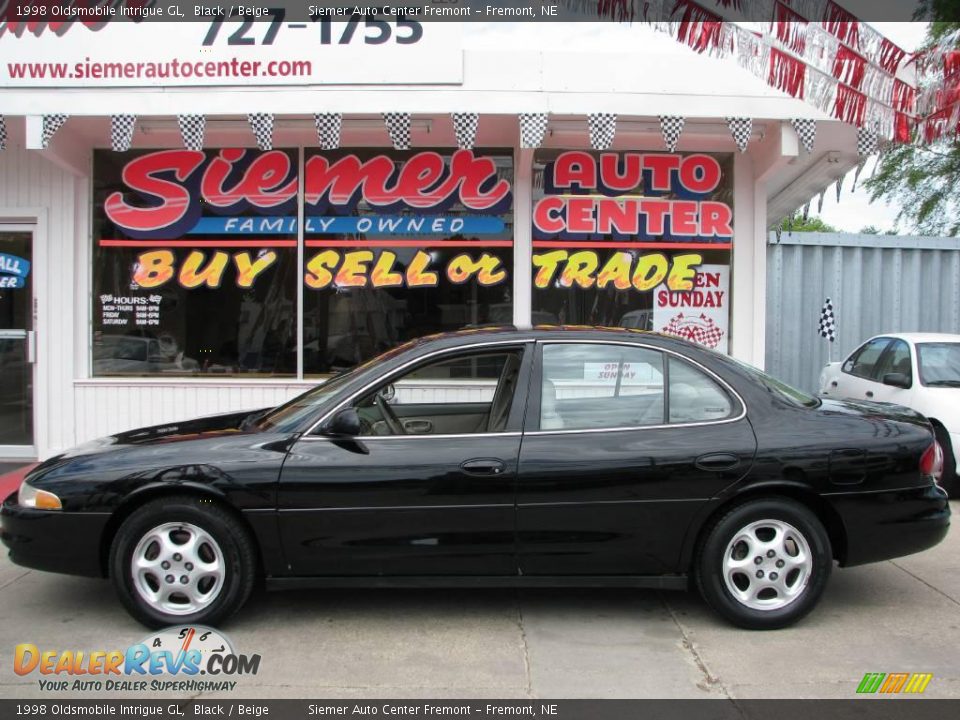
(855, 378)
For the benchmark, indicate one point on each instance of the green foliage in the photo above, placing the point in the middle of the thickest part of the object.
(812, 224)
(870, 230)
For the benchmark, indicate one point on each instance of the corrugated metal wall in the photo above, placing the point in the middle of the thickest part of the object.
(877, 284)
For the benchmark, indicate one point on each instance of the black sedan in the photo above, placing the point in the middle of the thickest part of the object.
(548, 457)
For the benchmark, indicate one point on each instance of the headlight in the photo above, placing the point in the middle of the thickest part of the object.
(30, 497)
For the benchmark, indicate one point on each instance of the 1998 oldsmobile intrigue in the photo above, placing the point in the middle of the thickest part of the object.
(561, 456)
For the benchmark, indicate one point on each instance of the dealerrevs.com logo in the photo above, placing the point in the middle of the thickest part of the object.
(894, 683)
(189, 658)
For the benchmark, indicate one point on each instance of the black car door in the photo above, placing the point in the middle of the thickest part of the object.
(427, 488)
(623, 444)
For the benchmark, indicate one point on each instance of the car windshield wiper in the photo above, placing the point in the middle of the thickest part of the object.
(942, 383)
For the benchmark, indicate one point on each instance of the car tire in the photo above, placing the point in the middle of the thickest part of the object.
(949, 480)
(738, 546)
(195, 562)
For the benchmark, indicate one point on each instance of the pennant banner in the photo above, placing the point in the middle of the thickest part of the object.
(465, 129)
(807, 132)
(671, 126)
(603, 128)
(51, 123)
(398, 127)
(533, 128)
(328, 130)
(262, 126)
(121, 132)
(192, 128)
(741, 129)
(3, 133)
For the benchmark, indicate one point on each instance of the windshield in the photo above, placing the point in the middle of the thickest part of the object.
(779, 388)
(289, 416)
(939, 364)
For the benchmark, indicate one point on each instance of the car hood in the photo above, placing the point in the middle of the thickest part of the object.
(211, 426)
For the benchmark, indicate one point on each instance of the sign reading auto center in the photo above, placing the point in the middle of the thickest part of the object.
(235, 51)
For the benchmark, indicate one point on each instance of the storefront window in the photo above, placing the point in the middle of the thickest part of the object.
(636, 240)
(194, 263)
(195, 256)
(402, 244)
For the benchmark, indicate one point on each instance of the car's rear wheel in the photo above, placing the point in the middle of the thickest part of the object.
(949, 480)
(182, 560)
(764, 564)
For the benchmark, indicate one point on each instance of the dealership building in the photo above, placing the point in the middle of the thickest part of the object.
(223, 237)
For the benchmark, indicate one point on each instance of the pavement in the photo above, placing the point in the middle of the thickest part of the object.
(900, 616)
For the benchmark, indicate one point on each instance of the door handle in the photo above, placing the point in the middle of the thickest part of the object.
(717, 462)
(418, 427)
(869, 393)
(483, 466)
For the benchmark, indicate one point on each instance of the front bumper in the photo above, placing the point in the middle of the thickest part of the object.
(891, 523)
(53, 540)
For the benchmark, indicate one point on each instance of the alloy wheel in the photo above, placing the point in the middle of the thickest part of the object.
(767, 565)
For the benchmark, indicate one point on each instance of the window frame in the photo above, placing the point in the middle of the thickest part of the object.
(532, 421)
(514, 420)
(887, 354)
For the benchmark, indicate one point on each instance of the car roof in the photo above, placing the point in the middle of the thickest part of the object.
(548, 332)
(923, 337)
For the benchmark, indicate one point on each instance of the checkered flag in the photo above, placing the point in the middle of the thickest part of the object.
(741, 128)
(839, 187)
(828, 325)
(262, 126)
(51, 123)
(533, 128)
(465, 129)
(398, 127)
(807, 132)
(3, 133)
(671, 126)
(328, 129)
(191, 130)
(820, 201)
(121, 132)
(868, 141)
(806, 212)
(603, 128)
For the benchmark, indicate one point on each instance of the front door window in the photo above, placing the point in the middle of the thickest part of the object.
(16, 323)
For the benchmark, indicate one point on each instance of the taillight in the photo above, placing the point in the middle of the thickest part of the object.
(931, 462)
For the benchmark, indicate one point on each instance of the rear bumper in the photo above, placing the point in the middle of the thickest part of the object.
(53, 540)
(892, 523)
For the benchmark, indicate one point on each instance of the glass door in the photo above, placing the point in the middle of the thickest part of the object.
(16, 341)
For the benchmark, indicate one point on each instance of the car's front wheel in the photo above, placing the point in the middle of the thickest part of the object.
(764, 564)
(182, 560)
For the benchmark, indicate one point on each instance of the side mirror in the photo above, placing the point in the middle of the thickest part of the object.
(345, 423)
(900, 380)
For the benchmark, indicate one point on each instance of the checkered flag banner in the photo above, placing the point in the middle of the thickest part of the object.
(839, 187)
(533, 128)
(191, 130)
(603, 128)
(262, 126)
(779, 231)
(51, 123)
(820, 201)
(3, 133)
(868, 141)
(121, 132)
(465, 129)
(671, 126)
(741, 128)
(806, 211)
(828, 325)
(807, 132)
(398, 127)
(328, 129)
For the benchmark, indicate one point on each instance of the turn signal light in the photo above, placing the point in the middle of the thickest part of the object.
(31, 497)
(931, 462)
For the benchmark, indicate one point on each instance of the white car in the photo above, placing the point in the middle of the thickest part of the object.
(917, 370)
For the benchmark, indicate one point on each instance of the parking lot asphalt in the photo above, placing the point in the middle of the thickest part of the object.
(899, 616)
